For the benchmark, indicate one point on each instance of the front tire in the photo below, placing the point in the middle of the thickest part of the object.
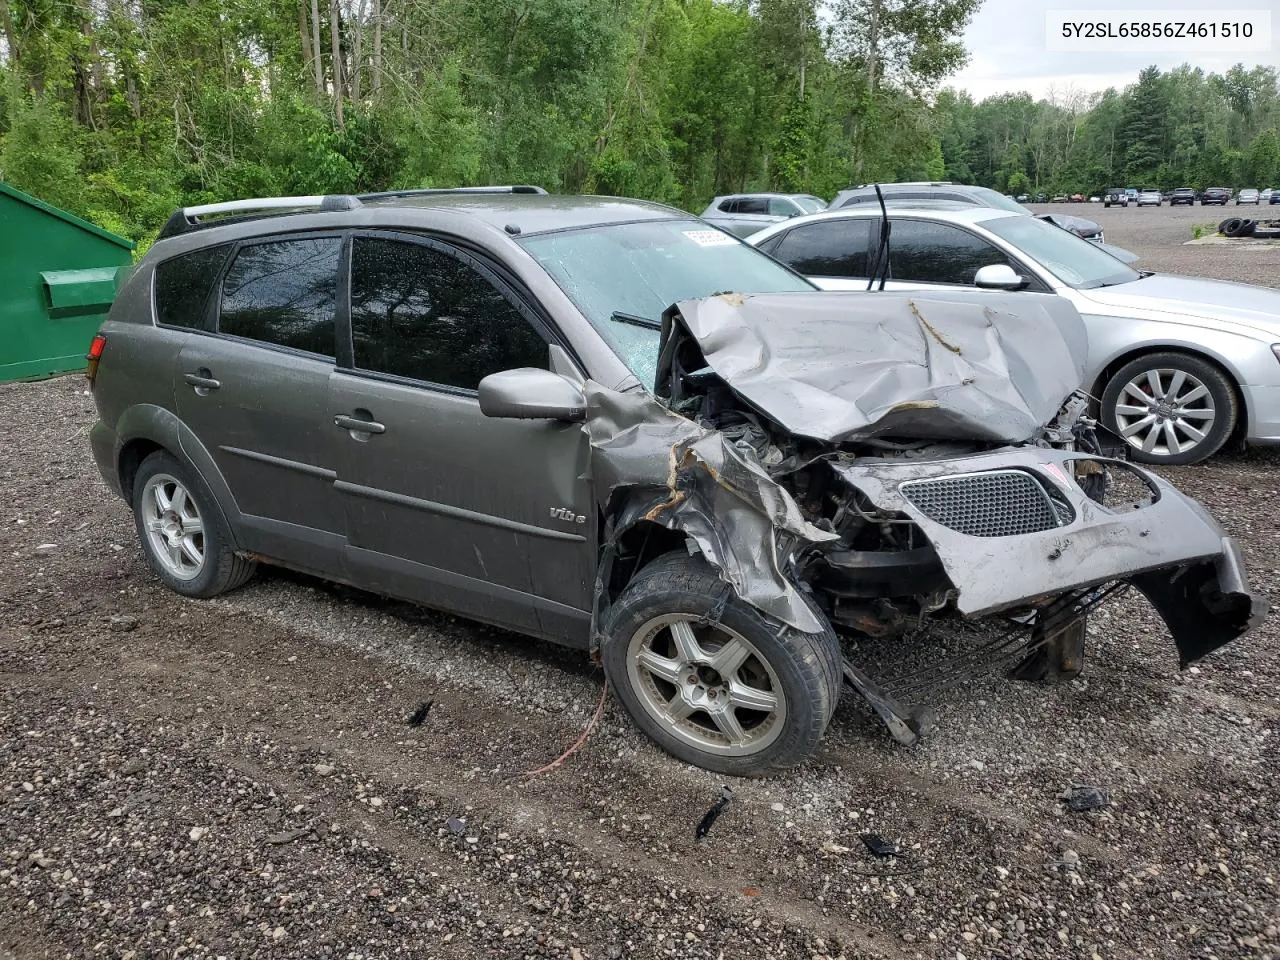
(1171, 408)
(182, 532)
(711, 679)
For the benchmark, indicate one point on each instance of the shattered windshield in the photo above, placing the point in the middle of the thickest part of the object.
(623, 276)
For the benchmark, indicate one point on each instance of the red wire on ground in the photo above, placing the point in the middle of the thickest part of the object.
(582, 738)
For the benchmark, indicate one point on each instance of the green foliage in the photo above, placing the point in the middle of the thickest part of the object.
(1182, 128)
(123, 111)
(1262, 166)
(41, 153)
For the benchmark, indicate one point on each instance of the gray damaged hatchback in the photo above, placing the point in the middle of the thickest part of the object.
(604, 423)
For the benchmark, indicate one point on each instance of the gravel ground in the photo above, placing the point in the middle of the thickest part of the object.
(236, 777)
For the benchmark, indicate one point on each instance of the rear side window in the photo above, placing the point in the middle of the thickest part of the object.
(183, 285)
(283, 293)
(927, 252)
(421, 313)
(835, 248)
(753, 205)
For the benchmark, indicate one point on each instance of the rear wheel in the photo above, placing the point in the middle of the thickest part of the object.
(711, 679)
(1170, 408)
(182, 533)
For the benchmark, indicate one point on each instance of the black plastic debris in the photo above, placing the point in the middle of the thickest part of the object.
(418, 716)
(879, 846)
(704, 827)
(456, 826)
(1084, 799)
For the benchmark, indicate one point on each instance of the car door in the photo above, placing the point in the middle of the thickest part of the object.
(487, 517)
(833, 253)
(253, 386)
(928, 253)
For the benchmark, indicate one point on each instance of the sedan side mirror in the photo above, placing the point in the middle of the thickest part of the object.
(528, 393)
(996, 276)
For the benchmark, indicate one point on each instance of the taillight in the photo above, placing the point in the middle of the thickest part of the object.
(96, 347)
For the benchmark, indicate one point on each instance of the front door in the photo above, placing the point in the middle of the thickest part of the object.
(255, 395)
(486, 517)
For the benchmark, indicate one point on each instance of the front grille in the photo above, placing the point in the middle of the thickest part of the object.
(994, 503)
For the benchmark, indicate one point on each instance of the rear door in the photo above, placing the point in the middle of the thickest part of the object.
(486, 517)
(253, 389)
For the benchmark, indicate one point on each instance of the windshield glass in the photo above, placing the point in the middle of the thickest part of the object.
(637, 270)
(1077, 263)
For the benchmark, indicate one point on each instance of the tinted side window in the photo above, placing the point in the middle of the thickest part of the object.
(729, 206)
(835, 248)
(183, 285)
(283, 293)
(938, 253)
(753, 205)
(419, 312)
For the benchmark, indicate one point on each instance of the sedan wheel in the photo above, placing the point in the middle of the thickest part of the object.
(1170, 408)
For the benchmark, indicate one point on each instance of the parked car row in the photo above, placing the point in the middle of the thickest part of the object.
(612, 425)
(1221, 196)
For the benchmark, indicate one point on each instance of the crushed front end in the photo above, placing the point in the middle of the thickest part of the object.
(897, 459)
(1015, 529)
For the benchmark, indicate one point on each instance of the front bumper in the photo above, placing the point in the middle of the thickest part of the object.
(1170, 548)
(1263, 406)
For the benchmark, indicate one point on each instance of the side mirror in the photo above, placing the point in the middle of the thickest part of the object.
(995, 276)
(531, 394)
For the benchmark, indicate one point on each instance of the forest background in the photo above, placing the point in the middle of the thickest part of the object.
(122, 110)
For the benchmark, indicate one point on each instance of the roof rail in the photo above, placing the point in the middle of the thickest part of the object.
(191, 218)
(428, 191)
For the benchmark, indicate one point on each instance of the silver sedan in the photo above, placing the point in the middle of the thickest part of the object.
(1179, 365)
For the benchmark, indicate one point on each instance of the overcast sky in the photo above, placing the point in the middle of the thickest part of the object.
(1006, 44)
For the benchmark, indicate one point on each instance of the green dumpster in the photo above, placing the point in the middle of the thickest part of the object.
(58, 276)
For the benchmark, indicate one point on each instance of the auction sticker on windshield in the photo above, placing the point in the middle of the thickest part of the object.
(709, 238)
(1158, 31)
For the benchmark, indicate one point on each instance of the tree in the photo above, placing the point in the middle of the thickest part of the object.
(1262, 166)
(1145, 128)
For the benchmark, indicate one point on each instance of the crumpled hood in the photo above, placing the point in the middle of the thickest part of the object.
(835, 367)
(1196, 297)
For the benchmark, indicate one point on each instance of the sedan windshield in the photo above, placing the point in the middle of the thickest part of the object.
(1075, 262)
(623, 276)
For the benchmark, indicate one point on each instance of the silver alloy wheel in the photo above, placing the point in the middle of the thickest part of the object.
(707, 684)
(174, 528)
(1165, 412)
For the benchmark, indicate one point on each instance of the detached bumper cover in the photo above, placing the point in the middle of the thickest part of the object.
(1170, 549)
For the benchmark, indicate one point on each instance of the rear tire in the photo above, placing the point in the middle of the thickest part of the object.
(182, 531)
(711, 679)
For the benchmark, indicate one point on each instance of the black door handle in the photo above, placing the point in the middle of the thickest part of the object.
(202, 383)
(357, 425)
